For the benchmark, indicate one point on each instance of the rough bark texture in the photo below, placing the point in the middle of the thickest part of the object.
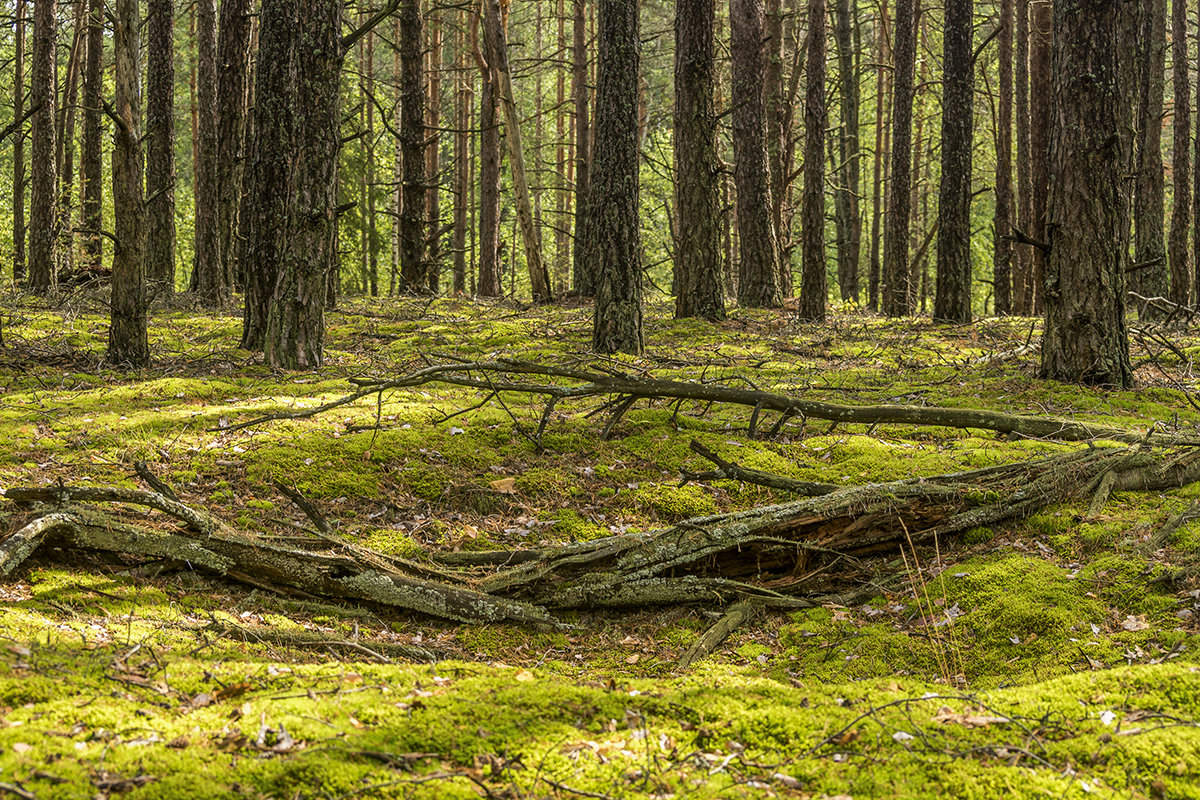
(489, 179)
(1085, 339)
(1040, 90)
(433, 146)
(849, 219)
(697, 165)
(584, 282)
(812, 288)
(462, 155)
(1002, 246)
(894, 279)
(1023, 256)
(233, 52)
(882, 133)
(614, 257)
(952, 302)
(160, 147)
(497, 54)
(777, 146)
(18, 90)
(127, 340)
(1149, 277)
(757, 249)
(208, 277)
(269, 177)
(43, 221)
(296, 322)
(412, 148)
(1196, 203)
(91, 161)
(1181, 205)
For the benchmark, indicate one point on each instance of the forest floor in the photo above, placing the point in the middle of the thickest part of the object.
(1056, 656)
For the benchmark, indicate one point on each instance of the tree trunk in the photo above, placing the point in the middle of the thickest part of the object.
(462, 154)
(489, 176)
(615, 255)
(160, 146)
(208, 275)
(1085, 339)
(1023, 262)
(758, 252)
(585, 283)
(233, 50)
(497, 55)
(65, 140)
(433, 213)
(697, 165)
(269, 178)
(18, 207)
(127, 340)
(849, 219)
(1196, 198)
(43, 222)
(412, 148)
(895, 290)
(1181, 204)
(1149, 277)
(953, 300)
(812, 290)
(882, 140)
(1040, 89)
(563, 159)
(296, 322)
(1002, 248)
(776, 114)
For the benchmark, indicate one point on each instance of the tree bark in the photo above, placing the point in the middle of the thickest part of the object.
(1151, 277)
(208, 275)
(1085, 339)
(757, 244)
(776, 116)
(615, 253)
(849, 219)
(43, 221)
(1002, 245)
(697, 165)
(585, 283)
(1040, 90)
(65, 139)
(894, 290)
(269, 178)
(953, 300)
(233, 52)
(813, 292)
(1023, 261)
(433, 213)
(489, 176)
(160, 146)
(882, 140)
(462, 154)
(413, 265)
(18, 207)
(128, 344)
(1181, 204)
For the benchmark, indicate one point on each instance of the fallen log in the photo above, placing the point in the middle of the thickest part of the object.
(571, 382)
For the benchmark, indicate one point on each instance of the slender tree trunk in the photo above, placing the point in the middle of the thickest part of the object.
(953, 300)
(849, 221)
(128, 344)
(433, 168)
(497, 56)
(269, 176)
(1002, 221)
(1023, 256)
(462, 142)
(585, 284)
(882, 131)
(397, 163)
(1181, 204)
(758, 284)
(91, 159)
(776, 114)
(18, 207)
(233, 46)
(413, 266)
(160, 147)
(562, 202)
(489, 176)
(65, 139)
(615, 258)
(895, 291)
(1085, 339)
(208, 274)
(812, 290)
(369, 265)
(43, 222)
(1149, 274)
(296, 321)
(1196, 197)
(1040, 89)
(697, 165)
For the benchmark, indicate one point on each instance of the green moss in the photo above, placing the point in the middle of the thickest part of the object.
(675, 503)
(424, 481)
(392, 542)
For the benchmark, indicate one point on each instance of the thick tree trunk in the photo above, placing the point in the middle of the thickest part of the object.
(296, 322)
(43, 221)
(895, 291)
(269, 176)
(413, 265)
(18, 89)
(127, 340)
(1149, 278)
(1181, 204)
(208, 275)
(1085, 339)
(160, 147)
(497, 55)
(812, 290)
(757, 244)
(489, 176)
(615, 255)
(697, 165)
(849, 219)
(233, 51)
(953, 300)
(1002, 246)
(584, 282)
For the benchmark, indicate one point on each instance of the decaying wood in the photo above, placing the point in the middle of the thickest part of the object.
(557, 383)
(737, 615)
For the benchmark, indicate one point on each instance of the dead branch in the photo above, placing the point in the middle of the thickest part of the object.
(731, 471)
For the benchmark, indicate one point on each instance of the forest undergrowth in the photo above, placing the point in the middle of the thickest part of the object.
(1051, 656)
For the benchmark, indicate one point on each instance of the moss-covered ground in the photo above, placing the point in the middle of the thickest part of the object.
(1054, 657)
